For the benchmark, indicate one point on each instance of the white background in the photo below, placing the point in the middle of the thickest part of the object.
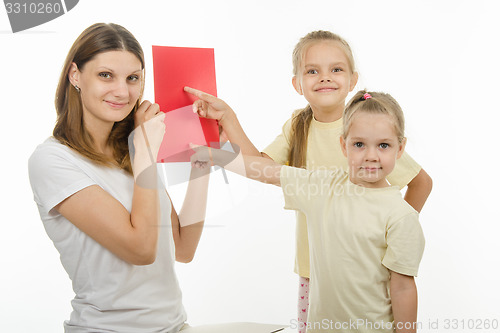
(439, 59)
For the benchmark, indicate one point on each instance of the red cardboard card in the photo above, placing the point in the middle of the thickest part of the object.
(173, 69)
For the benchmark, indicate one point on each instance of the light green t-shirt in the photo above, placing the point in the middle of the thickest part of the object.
(357, 235)
(323, 151)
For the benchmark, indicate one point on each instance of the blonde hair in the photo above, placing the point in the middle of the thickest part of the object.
(378, 103)
(302, 117)
(69, 128)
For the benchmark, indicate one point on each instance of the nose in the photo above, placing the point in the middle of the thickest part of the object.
(371, 154)
(121, 89)
(326, 78)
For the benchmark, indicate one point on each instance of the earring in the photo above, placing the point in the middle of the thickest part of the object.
(77, 88)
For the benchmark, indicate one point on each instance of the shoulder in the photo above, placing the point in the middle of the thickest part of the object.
(52, 160)
(51, 152)
(288, 124)
(402, 212)
(51, 146)
(45, 152)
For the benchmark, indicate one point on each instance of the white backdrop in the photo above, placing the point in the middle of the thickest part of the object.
(439, 59)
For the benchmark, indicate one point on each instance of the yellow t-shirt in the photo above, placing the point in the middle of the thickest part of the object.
(323, 151)
(357, 235)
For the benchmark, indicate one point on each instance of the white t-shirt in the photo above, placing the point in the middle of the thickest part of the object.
(111, 294)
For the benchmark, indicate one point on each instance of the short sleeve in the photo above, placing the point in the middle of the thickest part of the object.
(279, 149)
(306, 190)
(405, 245)
(55, 175)
(404, 171)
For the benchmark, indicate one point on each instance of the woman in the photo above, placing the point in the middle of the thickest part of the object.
(117, 233)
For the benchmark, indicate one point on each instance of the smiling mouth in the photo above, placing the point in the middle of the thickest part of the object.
(371, 169)
(325, 89)
(116, 105)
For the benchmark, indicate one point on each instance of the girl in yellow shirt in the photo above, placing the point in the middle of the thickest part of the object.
(324, 73)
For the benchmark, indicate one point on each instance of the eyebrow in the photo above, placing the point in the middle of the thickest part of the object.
(333, 64)
(112, 71)
(364, 139)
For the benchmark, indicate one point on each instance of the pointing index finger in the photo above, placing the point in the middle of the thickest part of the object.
(200, 94)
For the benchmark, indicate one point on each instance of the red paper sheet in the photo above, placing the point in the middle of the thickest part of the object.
(173, 69)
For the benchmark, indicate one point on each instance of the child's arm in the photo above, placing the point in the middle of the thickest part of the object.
(418, 190)
(404, 302)
(211, 107)
(257, 168)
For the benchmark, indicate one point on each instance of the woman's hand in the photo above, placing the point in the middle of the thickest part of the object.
(147, 136)
(145, 112)
(202, 157)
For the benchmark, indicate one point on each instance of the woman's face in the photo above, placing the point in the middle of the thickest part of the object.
(110, 85)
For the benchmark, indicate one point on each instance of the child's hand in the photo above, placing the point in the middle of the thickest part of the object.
(209, 106)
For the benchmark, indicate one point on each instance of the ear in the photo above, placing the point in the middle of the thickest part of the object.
(402, 146)
(74, 74)
(354, 81)
(297, 85)
(343, 146)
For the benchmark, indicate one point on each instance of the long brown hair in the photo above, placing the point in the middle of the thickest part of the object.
(69, 128)
(302, 118)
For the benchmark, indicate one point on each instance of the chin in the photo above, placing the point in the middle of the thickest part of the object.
(119, 116)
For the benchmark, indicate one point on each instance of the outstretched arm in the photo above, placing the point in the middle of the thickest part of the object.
(211, 107)
(257, 168)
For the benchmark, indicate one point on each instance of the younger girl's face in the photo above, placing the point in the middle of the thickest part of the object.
(110, 85)
(325, 76)
(371, 148)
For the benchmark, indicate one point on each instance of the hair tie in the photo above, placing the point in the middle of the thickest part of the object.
(367, 96)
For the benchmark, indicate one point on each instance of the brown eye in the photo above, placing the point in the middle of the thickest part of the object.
(105, 75)
(133, 78)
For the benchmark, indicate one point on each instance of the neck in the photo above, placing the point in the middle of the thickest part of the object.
(327, 115)
(379, 184)
(100, 135)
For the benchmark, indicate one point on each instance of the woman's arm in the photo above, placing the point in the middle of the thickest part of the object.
(404, 302)
(418, 190)
(188, 225)
(131, 236)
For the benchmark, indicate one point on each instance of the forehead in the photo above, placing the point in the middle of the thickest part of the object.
(119, 61)
(325, 51)
(372, 126)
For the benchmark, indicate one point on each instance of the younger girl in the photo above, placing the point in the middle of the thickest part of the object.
(365, 241)
(324, 73)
